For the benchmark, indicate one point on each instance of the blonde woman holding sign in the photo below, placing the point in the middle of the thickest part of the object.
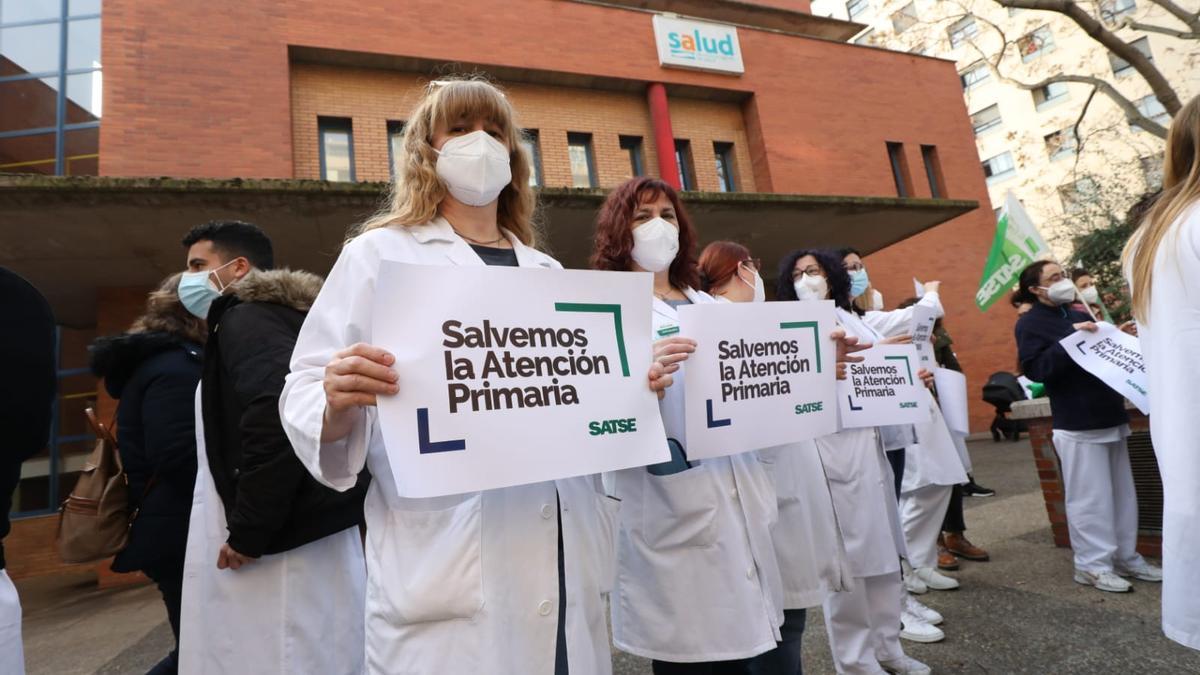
(508, 581)
(698, 587)
(1162, 263)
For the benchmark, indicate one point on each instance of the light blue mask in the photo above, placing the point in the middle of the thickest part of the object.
(859, 282)
(197, 292)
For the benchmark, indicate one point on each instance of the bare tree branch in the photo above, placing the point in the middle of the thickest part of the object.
(1075, 127)
(1095, 29)
(1162, 30)
(1188, 18)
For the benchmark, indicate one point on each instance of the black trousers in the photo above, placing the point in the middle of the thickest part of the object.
(168, 576)
(896, 459)
(954, 522)
(785, 658)
(739, 667)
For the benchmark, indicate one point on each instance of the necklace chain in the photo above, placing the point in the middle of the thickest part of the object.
(481, 243)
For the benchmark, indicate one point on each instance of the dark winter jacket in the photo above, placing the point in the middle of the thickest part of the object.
(1079, 401)
(153, 376)
(27, 385)
(272, 503)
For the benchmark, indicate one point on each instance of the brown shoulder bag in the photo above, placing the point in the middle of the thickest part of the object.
(94, 521)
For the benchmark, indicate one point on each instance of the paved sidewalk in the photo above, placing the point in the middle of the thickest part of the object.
(1020, 613)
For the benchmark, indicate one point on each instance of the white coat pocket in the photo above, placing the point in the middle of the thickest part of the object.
(680, 509)
(435, 563)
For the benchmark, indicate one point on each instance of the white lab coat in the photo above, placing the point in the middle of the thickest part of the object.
(934, 459)
(289, 613)
(808, 540)
(1170, 344)
(12, 655)
(899, 321)
(464, 583)
(697, 576)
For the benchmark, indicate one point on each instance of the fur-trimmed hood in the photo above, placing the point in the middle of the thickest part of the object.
(116, 357)
(290, 288)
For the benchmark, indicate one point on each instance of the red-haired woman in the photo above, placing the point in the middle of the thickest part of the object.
(698, 588)
(808, 543)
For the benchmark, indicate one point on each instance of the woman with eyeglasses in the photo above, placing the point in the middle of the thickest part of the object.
(864, 623)
(1090, 431)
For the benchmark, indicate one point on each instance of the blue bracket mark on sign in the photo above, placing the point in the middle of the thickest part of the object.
(712, 423)
(1079, 345)
(426, 446)
(853, 407)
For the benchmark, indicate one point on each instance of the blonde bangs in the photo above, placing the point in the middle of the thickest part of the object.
(417, 192)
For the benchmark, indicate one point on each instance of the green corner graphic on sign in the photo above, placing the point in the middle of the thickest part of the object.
(906, 365)
(615, 310)
(816, 338)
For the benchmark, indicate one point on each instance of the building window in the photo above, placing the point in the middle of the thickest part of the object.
(1052, 93)
(50, 87)
(533, 151)
(1152, 170)
(1121, 67)
(395, 132)
(1061, 143)
(856, 7)
(337, 149)
(998, 168)
(1033, 45)
(974, 75)
(986, 119)
(1111, 10)
(1153, 108)
(962, 30)
(1076, 196)
(724, 157)
(583, 163)
(899, 169)
(865, 38)
(905, 18)
(933, 171)
(683, 159)
(632, 147)
(920, 50)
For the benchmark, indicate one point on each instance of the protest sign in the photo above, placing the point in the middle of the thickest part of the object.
(883, 390)
(542, 377)
(918, 288)
(952, 397)
(922, 334)
(762, 375)
(1113, 357)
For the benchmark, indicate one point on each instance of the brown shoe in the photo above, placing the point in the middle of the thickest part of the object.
(961, 547)
(946, 559)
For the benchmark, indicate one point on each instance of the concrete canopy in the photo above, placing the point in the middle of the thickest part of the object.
(73, 236)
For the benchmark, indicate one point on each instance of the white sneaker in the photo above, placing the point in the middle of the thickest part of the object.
(905, 665)
(915, 629)
(935, 579)
(914, 607)
(1143, 572)
(1104, 580)
(914, 585)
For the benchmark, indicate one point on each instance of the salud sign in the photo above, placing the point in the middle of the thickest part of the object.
(763, 374)
(683, 43)
(544, 376)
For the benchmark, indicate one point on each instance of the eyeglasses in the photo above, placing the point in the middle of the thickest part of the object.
(753, 264)
(810, 271)
(855, 267)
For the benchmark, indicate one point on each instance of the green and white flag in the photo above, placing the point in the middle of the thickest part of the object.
(1017, 244)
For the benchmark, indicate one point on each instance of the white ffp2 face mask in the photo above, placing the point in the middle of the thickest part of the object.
(655, 244)
(1061, 292)
(760, 290)
(1090, 295)
(810, 288)
(475, 168)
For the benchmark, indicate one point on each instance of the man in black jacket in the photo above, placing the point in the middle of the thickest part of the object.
(26, 399)
(271, 503)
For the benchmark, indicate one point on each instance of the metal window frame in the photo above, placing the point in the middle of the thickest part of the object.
(325, 124)
(634, 145)
(583, 139)
(60, 127)
(535, 143)
(724, 154)
(687, 170)
(394, 127)
(933, 171)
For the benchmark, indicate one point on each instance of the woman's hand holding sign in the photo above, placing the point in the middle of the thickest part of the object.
(353, 379)
(672, 351)
(846, 346)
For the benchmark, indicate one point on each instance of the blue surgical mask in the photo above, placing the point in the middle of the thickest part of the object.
(197, 291)
(859, 282)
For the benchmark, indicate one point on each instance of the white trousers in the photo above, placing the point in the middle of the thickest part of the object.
(1102, 514)
(864, 624)
(12, 654)
(921, 512)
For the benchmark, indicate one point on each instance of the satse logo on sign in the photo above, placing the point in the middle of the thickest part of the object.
(698, 45)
